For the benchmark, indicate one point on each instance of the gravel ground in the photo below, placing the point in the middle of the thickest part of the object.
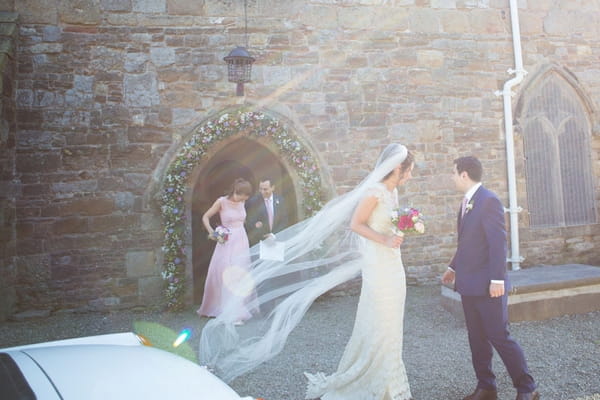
(563, 353)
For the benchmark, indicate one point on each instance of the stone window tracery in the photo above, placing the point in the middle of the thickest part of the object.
(556, 134)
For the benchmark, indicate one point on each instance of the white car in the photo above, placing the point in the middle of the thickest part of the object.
(106, 367)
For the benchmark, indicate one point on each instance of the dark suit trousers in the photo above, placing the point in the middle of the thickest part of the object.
(487, 326)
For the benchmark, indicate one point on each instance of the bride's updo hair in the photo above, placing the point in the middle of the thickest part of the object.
(240, 187)
(408, 161)
(397, 153)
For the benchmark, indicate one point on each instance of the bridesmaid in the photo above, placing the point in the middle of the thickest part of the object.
(231, 259)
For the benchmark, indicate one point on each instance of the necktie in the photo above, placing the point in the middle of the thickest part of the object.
(269, 212)
(464, 207)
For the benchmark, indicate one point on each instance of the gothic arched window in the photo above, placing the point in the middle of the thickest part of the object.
(556, 132)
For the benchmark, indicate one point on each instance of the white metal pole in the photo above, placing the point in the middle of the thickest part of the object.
(515, 257)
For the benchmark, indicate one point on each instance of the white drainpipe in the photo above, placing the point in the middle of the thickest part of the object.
(514, 209)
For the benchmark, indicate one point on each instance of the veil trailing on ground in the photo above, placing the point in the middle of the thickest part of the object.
(320, 253)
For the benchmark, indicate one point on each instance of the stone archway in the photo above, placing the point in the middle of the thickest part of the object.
(240, 158)
(296, 159)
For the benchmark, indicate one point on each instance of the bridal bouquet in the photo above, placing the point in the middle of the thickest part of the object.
(408, 220)
(220, 234)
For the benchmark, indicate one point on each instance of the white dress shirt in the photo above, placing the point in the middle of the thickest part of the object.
(270, 210)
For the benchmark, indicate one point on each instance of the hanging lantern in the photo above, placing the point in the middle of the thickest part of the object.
(239, 68)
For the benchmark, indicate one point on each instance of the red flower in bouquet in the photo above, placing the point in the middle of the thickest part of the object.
(408, 220)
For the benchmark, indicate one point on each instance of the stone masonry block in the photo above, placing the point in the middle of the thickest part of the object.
(5, 16)
(141, 90)
(88, 206)
(33, 162)
(150, 289)
(105, 59)
(162, 56)
(104, 303)
(430, 58)
(276, 76)
(577, 5)
(70, 225)
(151, 222)
(140, 264)
(424, 21)
(428, 130)
(443, 3)
(354, 17)
(393, 19)
(122, 19)
(37, 12)
(135, 62)
(556, 23)
(319, 16)
(46, 48)
(116, 5)
(488, 21)
(530, 22)
(52, 33)
(453, 22)
(150, 6)
(185, 7)
(8, 30)
(477, 3)
(334, 58)
(24, 97)
(80, 12)
(403, 132)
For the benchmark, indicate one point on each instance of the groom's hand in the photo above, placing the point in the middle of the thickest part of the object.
(496, 289)
(448, 276)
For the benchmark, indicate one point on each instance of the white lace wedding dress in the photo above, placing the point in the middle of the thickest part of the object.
(371, 367)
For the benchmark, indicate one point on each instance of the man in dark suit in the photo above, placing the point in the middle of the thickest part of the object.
(266, 213)
(478, 270)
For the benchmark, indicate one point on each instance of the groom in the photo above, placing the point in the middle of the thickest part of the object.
(478, 269)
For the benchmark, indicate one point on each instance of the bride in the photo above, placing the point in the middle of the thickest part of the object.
(372, 367)
(321, 253)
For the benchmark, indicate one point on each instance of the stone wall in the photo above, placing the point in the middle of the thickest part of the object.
(8, 179)
(107, 90)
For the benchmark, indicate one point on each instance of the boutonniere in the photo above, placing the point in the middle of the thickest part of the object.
(469, 206)
(277, 201)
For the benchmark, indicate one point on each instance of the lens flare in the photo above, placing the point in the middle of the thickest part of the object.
(183, 336)
(238, 281)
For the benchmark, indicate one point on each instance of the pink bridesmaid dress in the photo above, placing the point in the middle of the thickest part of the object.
(229, 263)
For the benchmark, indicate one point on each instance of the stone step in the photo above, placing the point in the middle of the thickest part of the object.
(543, 292)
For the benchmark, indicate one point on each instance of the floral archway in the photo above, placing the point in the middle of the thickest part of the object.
(175, 184)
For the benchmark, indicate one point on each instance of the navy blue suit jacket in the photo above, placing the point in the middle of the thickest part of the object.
(481, 251)
(256, 211)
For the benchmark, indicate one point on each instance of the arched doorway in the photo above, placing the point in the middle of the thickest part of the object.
(255, 140)
(240, 158)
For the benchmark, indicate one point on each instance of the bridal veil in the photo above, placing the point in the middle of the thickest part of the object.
(321, 253)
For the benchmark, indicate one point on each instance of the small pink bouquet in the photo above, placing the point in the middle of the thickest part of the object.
(220, 234)
(407, 220)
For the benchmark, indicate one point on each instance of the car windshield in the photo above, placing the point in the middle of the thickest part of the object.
(12, 382)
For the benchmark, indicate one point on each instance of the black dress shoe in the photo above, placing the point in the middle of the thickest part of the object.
(482, 394)
(528, 396)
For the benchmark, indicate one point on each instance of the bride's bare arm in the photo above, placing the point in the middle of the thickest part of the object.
(359, 223)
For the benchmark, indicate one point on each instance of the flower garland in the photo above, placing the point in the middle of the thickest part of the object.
(175, 184)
